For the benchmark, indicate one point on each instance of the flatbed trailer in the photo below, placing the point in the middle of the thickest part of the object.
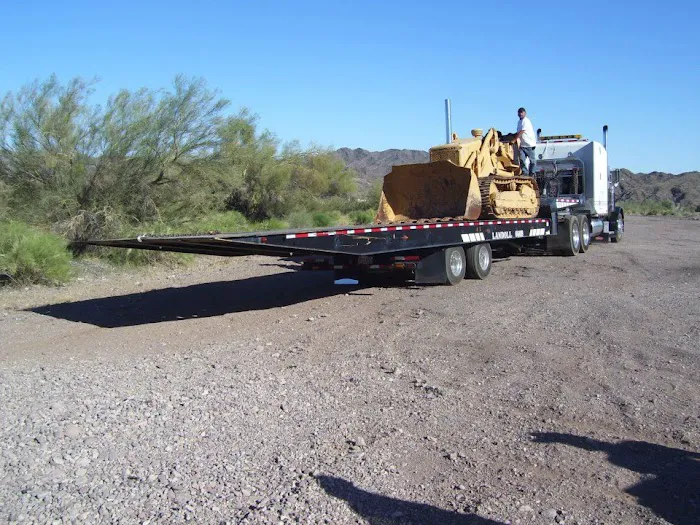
(577, 204)
(442, 251)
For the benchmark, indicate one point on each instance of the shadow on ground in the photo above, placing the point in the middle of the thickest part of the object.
(382, 510)
(199, 300)
(672, 487)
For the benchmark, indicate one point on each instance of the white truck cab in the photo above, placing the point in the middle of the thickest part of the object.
(574, 178)
(573, 169)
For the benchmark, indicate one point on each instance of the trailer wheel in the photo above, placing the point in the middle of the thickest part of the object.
(479, 258)
(455, 264)
(619, 228)
(568, 240)
(585, 233)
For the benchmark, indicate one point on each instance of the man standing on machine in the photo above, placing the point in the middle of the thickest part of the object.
(526, 134)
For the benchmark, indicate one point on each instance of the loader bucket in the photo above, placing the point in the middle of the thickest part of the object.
(438, 190)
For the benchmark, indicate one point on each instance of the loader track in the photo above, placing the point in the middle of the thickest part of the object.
(485, 188)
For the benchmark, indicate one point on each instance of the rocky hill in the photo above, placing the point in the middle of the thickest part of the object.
(683, 189)
(372, 165)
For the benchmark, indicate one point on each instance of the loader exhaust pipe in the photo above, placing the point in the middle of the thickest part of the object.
(605, 137)
(448, 121)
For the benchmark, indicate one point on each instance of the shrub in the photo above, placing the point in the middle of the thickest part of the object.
(344, 205)
(362, 217)
(4, 201)
(323, 219)
(269, 225)
(650, 207)
(374, 193)
(132, 257)
(300, 219)
(152, 157)
(224, 222)
(29, 255)
(229, 222)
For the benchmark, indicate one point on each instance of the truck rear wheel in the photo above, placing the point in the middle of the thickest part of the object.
(455, 264)
(479, 258)
(584, 233)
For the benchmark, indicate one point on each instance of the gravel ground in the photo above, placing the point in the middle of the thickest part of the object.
(559, 390)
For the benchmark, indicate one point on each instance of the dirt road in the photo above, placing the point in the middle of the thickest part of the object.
(559, 390)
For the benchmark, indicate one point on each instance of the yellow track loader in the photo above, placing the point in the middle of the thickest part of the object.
(475, 178)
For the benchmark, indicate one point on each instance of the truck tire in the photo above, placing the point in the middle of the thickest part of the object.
(619, 229)
(568, 240)
(479, 258)
(455, 264)
(584, 233)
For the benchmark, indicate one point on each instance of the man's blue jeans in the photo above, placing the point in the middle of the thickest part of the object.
(526, 152)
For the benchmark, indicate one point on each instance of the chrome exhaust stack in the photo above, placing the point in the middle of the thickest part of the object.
(605, 137)
(448, 121)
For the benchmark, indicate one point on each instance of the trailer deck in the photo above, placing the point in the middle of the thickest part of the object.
(347, 241)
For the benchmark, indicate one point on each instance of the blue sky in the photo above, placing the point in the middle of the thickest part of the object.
(375, 74)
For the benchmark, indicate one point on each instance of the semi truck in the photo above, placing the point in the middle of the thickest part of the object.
(576, 197)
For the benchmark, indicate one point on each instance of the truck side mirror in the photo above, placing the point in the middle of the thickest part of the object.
(615, 178)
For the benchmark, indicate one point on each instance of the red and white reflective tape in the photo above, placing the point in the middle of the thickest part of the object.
(402, 227)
